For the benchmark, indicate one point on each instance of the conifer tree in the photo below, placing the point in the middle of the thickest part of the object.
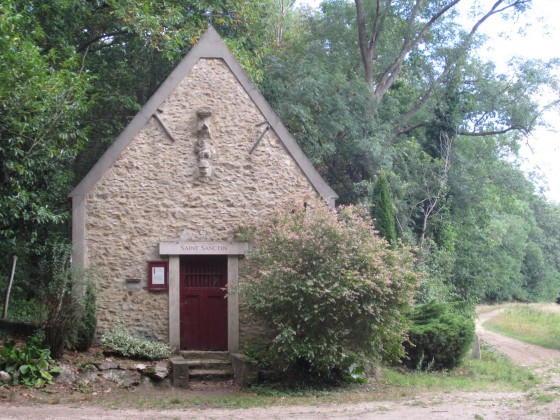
(382, 210)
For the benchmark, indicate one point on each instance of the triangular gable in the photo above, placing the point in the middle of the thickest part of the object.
(210, 45)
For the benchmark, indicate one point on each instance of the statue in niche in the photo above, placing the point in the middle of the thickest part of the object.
(203, 143)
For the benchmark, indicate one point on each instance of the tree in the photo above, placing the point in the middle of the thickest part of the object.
(542, 257)
(417, 21)
(438, 120)
(42, 100)
(382, 210)
(307, 264)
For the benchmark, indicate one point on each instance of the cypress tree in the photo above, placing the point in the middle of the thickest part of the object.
(382, 210)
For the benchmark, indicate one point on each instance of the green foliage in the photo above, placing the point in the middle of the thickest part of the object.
(68, 296)
(41, 103)
(329, 288)
(85, 328)
(382, 210)
(352, 372)
(439, 338)
(472, 211)
(123, 342)
(436, 265)
(29, 365)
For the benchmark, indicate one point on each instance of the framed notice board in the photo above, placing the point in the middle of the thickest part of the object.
(158, 275)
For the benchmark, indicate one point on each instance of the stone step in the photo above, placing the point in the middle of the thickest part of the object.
(204, 355)
(210, 374)
(208, 364)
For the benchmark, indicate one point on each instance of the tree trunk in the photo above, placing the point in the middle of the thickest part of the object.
(366, 48)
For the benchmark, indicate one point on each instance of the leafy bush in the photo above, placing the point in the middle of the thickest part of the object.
(68, 296)
(29, 365)
(25, 309)
(123, 342)
(85, 328)
(439, 338)
(329, 287)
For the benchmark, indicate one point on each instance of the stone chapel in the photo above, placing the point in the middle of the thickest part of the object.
(155, 216)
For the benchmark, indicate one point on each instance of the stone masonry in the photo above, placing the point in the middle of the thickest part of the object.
(154, 191)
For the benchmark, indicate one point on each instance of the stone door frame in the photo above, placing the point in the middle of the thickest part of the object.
(233, 251)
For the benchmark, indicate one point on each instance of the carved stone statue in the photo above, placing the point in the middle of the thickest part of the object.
(203, 143)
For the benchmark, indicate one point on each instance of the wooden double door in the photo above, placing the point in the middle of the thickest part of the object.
(203, 303)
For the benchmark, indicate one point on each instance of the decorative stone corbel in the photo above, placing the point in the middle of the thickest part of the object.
(203, 143)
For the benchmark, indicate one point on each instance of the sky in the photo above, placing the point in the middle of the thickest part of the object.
(541, 40)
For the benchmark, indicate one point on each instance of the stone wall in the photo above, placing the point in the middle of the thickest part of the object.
(154, 191)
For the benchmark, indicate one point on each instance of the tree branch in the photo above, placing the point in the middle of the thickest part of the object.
(449, 65)
(92, 41)
(391, 74)
(491, 132)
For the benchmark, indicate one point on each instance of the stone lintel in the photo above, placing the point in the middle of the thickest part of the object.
(203, 248)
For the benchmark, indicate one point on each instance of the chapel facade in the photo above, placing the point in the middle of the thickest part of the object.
(156, 216)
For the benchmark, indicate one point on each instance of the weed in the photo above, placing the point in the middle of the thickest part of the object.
(542, 398)
(85, 387)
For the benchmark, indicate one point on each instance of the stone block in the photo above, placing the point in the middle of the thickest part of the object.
(180, 369)
(245, 370)
(108, 366)
(476, 347)
(125, 378)
(5, 377)
(153, 192)
(67, 376)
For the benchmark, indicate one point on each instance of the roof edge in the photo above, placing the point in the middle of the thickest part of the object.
(210, 45)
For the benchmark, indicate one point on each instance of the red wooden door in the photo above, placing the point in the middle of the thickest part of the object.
(203, 302)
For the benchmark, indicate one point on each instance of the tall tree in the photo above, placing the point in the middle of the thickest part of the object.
(42, 101)
(382, 210)
(465, 205)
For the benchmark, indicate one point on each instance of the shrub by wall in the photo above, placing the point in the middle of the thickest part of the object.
(68, 298)
(330, 288)
(439, 338)
(121, 341)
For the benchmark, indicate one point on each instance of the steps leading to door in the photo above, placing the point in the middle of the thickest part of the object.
(208, 365)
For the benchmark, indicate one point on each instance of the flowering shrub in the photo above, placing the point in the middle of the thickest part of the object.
(329, 287)
(123, 342)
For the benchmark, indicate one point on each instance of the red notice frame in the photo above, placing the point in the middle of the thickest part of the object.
(158, 275)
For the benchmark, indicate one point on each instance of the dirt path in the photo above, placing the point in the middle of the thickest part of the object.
(521, 353)
(543, 403)
(449, 406)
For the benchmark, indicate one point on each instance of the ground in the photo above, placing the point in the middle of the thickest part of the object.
(69, 401)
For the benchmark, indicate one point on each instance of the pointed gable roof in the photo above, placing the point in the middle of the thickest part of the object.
(210, 45)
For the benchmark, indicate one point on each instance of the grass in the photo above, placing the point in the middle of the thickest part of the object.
(534, 324)
(493, 373)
